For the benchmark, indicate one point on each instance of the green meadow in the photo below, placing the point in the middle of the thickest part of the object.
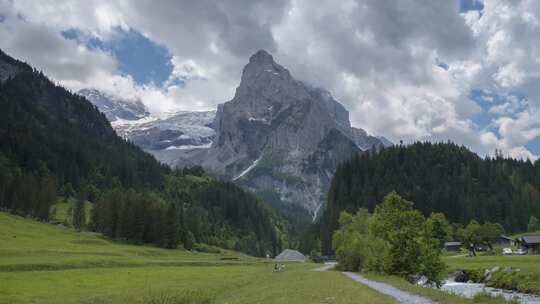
(43, 263)
(526, 263)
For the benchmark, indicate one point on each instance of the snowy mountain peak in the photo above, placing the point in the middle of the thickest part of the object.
(114, 107)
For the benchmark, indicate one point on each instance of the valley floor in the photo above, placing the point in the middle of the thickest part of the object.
(41, 263)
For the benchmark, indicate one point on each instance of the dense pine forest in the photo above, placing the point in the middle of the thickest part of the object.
(57, 144)
(438, 177)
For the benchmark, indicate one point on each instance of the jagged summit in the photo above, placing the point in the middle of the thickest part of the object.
(261, 56)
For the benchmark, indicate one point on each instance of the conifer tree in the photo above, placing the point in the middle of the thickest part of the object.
(79, 214)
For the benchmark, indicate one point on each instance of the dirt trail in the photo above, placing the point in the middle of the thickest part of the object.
(389, 290)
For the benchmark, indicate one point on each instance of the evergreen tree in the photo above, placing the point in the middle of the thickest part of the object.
(533, 224)
(79, 214)
(172, 227)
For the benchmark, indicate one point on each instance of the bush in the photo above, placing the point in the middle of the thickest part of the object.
(523, 282)
(475, 275)
(200, 247)
(485, 297)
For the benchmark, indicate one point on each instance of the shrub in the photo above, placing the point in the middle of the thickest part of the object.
(475, 275)
(200, 247)
(485, 297)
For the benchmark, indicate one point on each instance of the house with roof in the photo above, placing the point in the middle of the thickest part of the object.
(505, 241)
(289, 255)
(530, 243)
(452, 246)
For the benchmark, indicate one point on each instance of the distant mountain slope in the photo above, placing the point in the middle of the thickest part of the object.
(437, 178)
(43, 124)
(132, 121)
(113, 107)
(55, 142)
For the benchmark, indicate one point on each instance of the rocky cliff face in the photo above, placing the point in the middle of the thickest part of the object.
(279, 135)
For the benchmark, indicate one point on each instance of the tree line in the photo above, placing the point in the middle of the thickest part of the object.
(438, 177)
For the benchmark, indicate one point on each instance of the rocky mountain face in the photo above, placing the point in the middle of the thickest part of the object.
(280, 137)
(132, 120)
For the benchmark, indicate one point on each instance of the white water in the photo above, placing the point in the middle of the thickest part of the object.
(469, 290)
(246, 171)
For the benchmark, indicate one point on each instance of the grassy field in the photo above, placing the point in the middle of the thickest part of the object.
(526, 263)
(41, 263)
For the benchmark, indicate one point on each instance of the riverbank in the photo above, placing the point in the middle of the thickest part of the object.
(518, 273)
(437, 295)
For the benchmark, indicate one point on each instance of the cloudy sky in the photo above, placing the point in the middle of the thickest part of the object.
(466, 71)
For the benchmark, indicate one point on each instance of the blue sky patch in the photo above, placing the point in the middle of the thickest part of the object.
(470, 5)
(141, 58)
(534, 146)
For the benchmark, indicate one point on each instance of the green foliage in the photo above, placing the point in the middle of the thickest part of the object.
(438, 177)
(475, 235)
(23, 192)
(200, 247)
(395, 240)
(189, 240)
(399, 224)
(351, 240)
(533, 225)
(486, 297)
(471, 235)
(514, 280)
(79, 215)
(438, 228)
(490, 233)
(171, 228)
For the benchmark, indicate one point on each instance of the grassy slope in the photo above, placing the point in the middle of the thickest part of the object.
(61, 210)
(41, 263)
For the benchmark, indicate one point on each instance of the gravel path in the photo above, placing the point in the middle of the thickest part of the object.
(325, 267)
(389, 290)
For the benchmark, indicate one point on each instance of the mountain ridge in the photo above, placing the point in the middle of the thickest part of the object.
(273, 134)
(277, 134)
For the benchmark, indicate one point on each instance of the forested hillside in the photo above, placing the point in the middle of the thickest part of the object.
(441, 177)
(55, 143)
